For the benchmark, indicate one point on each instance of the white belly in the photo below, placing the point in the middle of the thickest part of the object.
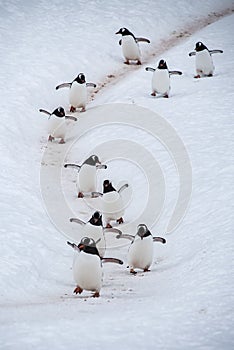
(140, 254)
(130, 48)
(204, 63)
(87, 271)
(161, 81)
(95, 232)
(78, 95)
(112, 206)
(57, 127)
(86, 179)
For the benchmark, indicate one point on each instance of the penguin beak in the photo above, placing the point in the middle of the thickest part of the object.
(118, 32)
(81, 246)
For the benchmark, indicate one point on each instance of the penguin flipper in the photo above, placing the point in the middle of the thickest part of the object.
(69, 165)
(126, 236)
(44, 111)
(215, 51)
(101, 166)
(71, 118)
(112, 230)
(123, 188)
(112, 260)
(96, 194)
(60, 86)
(120, 42)
(175, 72)
(193, 53)
(77, 221)
(142, 40)
(159, 239)
(149, 69)
(91, 85)
(73, 245)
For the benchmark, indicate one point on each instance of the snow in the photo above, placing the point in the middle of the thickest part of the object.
(186, 301)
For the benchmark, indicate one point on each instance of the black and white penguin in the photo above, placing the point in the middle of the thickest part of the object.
(161, 79)
(130, 47)
(112, 203)
(87, 266)
(140, 254)
(78, 92)
(57, 125)
(87, 175)
(204, 62)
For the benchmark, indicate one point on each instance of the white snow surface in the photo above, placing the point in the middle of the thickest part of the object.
(186, 301)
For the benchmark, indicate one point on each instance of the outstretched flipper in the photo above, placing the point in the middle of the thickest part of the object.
(69, 165)
(44, 111)
(126, 236)
(120, 42)
(159, 239)
(60, 86)
(175, 72)
(122, 188)
(142, 40)
(91, 85)
(149, 69)
(71, 118)
(101, 166)
(77, 221)
(112, 260)
(193, 53)
(215, 51)
(74, 246)
(112, 230)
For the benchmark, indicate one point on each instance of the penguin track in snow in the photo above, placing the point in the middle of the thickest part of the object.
(158, 49)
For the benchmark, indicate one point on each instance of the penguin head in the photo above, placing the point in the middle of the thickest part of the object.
(88, 245)
(107, 186)
(96, 219)
(80, 79)
(200, 46)
(124, 31)
(59, 112)
(162, 64)
(142, 231)
(92, 160)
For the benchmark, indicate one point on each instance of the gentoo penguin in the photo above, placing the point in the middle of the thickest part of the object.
(112, 203)
(130, 47)
(87, 176)
(57, 125)
(161, 78)
(87, 266)
(78, 92)
(94, 229)
(204, 62)
(140, 254)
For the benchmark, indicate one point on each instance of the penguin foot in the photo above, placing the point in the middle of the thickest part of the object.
(108, 226)
(80, 195)
(120, 221)
(197, 76)
(96, 295)
(83, 109)
(78, 290)
(50, 138)
(127, 62)
(132, 271)
(166, 96)
(72, 109)
(138, 63)
(153, 93)
(61, 141)
(210, 75)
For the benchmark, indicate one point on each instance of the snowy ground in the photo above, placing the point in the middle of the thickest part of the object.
(186, 301)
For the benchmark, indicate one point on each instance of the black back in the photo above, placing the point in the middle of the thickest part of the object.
(88, 246)
(92, 160)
